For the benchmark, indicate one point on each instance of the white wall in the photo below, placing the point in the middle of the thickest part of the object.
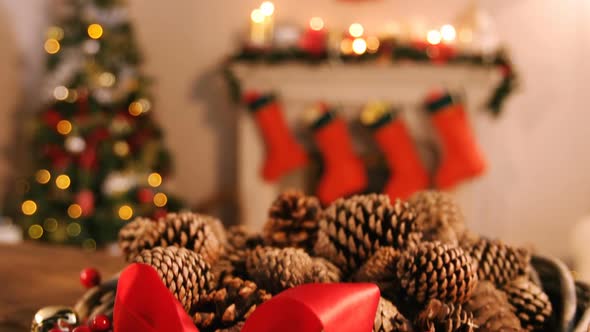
(538, 184)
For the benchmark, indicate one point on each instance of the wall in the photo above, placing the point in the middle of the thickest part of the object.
(538, 185)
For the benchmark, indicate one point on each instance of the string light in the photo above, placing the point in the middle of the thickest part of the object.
(43, 176)
(121, 148)
(106, 79)
(356, 30)
(35, 231)
(359, 46)
(160, 199)
(267, 8)
(52, 46)
(125, 212)
(448, 33)
(433, 37)
(62, 181)
(135, 108)
(74, 229)
(95, 31)
(372, 44)
(316, 23)
(346, 46)
(64, 127)
(29, 207)
(154, 180)
(89, 244)
(50, 225)
(257, 16)
(61, 93)
(74, 211)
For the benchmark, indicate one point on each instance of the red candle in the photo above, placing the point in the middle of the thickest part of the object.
(313, 40)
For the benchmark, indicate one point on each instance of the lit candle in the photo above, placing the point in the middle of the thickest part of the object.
(314, 39)
(261, 24)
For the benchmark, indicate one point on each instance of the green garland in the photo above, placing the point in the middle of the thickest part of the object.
(396, 53)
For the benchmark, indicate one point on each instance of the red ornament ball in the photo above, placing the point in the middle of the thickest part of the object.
(82, 329)
(89, 277)
(100, 323)
(145, 195)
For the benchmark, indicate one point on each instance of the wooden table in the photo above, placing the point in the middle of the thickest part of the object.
(34, 275)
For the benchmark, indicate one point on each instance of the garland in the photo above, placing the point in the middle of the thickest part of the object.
(392, 52)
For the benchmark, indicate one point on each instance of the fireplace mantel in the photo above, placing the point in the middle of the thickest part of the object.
(347, 85)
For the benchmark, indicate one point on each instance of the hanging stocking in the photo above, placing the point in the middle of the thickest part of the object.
(283, 153)
(344, 173)
(408, 175)
(461, 156)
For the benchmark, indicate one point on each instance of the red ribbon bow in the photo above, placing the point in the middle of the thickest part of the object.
(143, 303)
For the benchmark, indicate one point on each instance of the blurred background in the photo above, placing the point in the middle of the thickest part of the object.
(172, 120)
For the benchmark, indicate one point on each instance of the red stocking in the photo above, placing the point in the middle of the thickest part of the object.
(461, 156)
(283, 153)
(408, 175)
(344, 173)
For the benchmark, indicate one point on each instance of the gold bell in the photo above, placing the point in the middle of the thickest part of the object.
(54, 316)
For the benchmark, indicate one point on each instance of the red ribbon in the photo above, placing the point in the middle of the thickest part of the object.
(144, 304)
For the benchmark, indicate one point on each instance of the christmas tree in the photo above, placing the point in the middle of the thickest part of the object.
(99, 157)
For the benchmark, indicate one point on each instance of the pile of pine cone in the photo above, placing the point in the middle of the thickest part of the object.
(434, 274)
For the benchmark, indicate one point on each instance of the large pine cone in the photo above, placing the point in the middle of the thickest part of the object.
(351, 230)
(186, 274)
(389, 319)
(185, 229)
(436, 271)
(276, 269)
(531, 304)
(293, 221)
(231, 304)
(491, 310)
(438, 216)
(444, 317)
(498, 262)
(98, 300)
(381, 270)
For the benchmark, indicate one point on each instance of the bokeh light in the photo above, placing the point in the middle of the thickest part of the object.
(125, 212)
(267, 8)
(154, 180)
(43, 176)
(64, 127)
(433, 37)
(372, 44)
(257, 16)
(359, 46)
(74, 211)
(95, 31)
(35, 231)
(356, 30)
(74, 229)
(29, 207)
(160, 199)
(61, 92)
(50, 224)
(62, 181)
(316, 23)
(52, 46)
(448, 33)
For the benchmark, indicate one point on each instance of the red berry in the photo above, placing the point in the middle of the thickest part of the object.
(82, 329)
(100, 323)
(89, 277)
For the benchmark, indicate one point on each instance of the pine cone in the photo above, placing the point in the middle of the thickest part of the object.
(389, 319)
(531, 304)
(293, 221)
(238, 238)
(276, 269)
(232, 264)
(98, 300)
(498, 262)
(444, 317)
(322, 271)
(491, 309)
(438, 216)
(381, 270)
(185, 229)
(351, 230)
(229, 305)
(236, 328)
(436, 271)
(186, 274)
